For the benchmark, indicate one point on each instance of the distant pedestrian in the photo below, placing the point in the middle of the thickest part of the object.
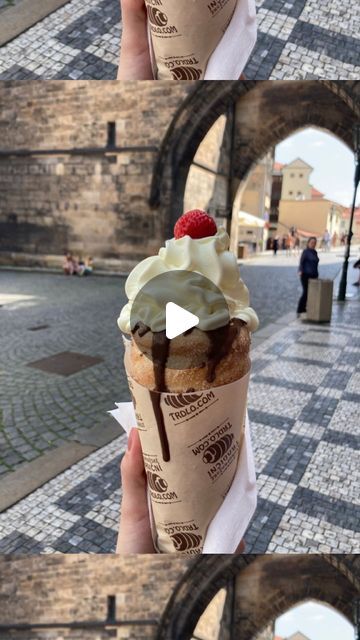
(297, 244)
(275, 245)
(334, 239)
(283, 243)
(357, 266)
(326, 240)
(289, 244)
(308, 268)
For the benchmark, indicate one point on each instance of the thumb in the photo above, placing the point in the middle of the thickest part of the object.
(134, 532)
(133, 13)
(133, 478)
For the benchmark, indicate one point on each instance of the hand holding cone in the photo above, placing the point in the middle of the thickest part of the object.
(185, 33)
(190, 418)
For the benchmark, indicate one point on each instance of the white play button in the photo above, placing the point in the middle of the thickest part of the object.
(178, 320)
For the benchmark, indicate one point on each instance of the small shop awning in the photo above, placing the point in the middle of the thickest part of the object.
(248, 220)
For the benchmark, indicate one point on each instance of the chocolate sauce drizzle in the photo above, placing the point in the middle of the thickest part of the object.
(159, 355)
(220, 343)
(221, 340)
(141, 329)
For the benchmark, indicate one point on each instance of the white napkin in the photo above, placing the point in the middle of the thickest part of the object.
(229, 525)
(229, 59)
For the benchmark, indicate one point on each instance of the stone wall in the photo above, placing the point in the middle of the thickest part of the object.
(67, 588)
(273, 584)
(89, 203)
(266, 634)
(202, 186)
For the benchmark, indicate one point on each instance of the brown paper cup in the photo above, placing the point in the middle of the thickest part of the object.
(191, 444)
(184, 34)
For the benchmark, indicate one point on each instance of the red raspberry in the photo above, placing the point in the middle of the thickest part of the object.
(196, 224)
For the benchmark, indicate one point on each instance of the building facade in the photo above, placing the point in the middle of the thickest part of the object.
(297, 205)
(296, 181)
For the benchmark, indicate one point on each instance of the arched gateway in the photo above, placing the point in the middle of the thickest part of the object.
(162, 598)
(264, 114)
(260, 588)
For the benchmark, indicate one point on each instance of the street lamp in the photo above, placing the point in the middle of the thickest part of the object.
(356, 605)
(343, 281)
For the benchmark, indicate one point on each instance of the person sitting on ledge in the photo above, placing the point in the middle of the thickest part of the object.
(89, 266)
(70, 265)
(85, 268)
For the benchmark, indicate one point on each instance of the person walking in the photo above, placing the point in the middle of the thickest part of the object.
(326, 241)
(308, 268)
(356, 265)
(289, 244)
(275, 245)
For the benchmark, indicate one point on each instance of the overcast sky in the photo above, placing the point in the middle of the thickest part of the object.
(316, 621)
(332, 160)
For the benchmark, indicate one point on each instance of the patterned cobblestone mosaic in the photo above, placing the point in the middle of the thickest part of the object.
(298, 39)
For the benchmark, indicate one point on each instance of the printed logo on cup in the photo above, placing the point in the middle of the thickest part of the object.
(157, 17)
(159, 21)
(215, 6)
(185, 537)
(160, 491)
(186, 73)
(180, 400)
(218, 449)
(186, 541)
(188, 406)
(156, 483)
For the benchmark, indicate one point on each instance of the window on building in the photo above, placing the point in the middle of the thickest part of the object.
(301, 175)
(299, 193)
(111, 134)
(291, 193)
(292, 175)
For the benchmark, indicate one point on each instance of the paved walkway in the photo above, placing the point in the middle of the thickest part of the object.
(303, 406)
(298, 39)
(45, 315)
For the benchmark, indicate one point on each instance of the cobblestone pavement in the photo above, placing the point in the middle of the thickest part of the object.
(298, 39)
(303, 407)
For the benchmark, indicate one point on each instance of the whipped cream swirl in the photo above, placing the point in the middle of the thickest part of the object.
(209, 257)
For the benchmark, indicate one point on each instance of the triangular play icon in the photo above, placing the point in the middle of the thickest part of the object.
(178, 320)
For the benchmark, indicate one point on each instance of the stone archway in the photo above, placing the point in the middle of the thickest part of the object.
(266, 113)
(266, 587)
(195, 591)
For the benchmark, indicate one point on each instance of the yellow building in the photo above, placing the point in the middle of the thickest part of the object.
(296, 180)
(345, 223)
(310, 217)
(301, 206)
